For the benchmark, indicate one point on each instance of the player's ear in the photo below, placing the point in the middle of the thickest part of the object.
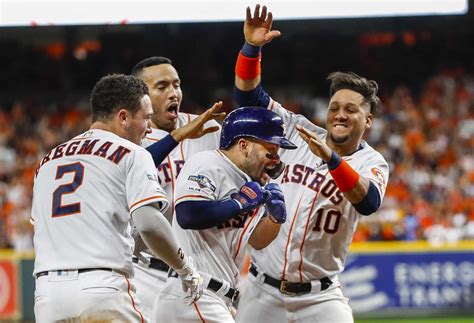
(243, 146)
(122, 116)
(368, 121)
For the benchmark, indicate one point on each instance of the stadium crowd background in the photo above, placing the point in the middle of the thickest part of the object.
(424, 68)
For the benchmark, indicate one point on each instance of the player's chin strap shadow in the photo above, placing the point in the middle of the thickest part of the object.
(275, 172)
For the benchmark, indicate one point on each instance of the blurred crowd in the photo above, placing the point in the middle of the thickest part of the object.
(427, 138)
(429, 143)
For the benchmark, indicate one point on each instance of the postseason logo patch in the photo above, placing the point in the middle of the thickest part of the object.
(202, 181)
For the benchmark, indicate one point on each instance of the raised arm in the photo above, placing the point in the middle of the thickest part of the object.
(257, 32)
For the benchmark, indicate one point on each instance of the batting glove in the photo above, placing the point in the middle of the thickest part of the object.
(275, 204)
(192, 282)
(250, 196)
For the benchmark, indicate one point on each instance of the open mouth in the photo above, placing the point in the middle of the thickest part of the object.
(173, 110)
(339, 125)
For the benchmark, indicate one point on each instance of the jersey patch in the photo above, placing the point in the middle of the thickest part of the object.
(380, 178)
(153, 177)
(202, 181)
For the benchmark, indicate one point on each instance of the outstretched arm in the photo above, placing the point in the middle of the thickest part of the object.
(358, 190)
(257, 32)
(195, 129)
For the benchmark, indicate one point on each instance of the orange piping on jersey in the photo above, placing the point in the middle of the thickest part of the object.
(199, 313)
(172, 186)
(148, 198)
(153, 139)
(133, 302)
(289, 236)
(271, 105)
(243, 232)
(181, 143)
(181, 149)
(304, 237)
(184, 196)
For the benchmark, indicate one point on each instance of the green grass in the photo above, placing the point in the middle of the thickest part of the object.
(417, 320)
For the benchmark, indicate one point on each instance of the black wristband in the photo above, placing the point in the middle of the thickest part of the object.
(251, 51)
(334, 161)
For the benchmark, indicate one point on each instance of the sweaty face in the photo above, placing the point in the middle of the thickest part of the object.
(261, 157)
(139, 124)
(164, 87)
(347, 118)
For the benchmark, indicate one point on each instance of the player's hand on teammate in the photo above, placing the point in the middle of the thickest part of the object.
(195, 129)
(250, 196)
(275, 203)
(193, 283)
(315, 143)
(258, 28)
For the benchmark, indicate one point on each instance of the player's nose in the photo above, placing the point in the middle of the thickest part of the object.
(275, 158)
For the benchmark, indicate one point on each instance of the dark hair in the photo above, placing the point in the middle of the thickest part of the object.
(351, 81)
(116, 91)
(150, 61)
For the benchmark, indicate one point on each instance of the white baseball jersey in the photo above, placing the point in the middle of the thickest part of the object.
(314, 241)
(84, 192)
(170, 168)
(150, 281)
(218, 251)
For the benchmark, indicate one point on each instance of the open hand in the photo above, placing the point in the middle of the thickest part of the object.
(195, 129)
(315, 143)
(257, 29)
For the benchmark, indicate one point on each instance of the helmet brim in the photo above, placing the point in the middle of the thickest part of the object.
(286, 144)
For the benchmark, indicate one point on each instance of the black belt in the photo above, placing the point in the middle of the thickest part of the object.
(214, 285)
(80, 271)
(155, 264)
(290, 288)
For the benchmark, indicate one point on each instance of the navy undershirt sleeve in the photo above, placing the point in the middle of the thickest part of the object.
(159, 150)
(256, 97)
(370, 203)
(199, 215)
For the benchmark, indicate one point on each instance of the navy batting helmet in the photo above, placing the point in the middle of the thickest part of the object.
(254, 122)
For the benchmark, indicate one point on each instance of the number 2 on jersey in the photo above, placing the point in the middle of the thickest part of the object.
(58, 208)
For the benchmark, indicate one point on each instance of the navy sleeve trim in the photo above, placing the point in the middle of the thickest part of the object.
(159, 150)
(200, 215)
(256, 97)
(370, 203)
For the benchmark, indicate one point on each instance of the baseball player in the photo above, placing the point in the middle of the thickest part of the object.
(331, 181)
(85, 191)
(168, 122)
(218, 202)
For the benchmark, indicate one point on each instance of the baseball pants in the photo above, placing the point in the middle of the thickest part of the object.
(91, 296)
(170, 307)
(148, 282)
(264, 303)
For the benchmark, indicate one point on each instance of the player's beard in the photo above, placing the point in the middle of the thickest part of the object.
(165, 124)
(339, 140)
(254, 168)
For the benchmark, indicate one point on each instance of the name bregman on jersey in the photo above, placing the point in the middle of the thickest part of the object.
(86, 147)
